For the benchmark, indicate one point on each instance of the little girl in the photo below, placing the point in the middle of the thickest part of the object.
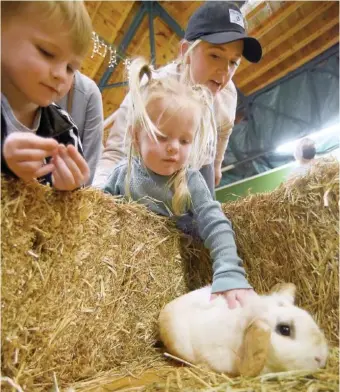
(169, 124)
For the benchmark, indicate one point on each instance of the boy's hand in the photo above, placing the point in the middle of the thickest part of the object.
(71, 170)
(235, 297)
(24, 154)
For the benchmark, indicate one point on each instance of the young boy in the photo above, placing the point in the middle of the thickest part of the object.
(43, 44)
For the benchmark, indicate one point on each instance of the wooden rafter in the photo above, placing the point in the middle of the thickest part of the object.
(127, 7)
(270, 24)
(273, 61)
(276, 18)
(290, 32)
(304, 22)
(143, 38)
(256, 10)
(191, 9)
(98, 4)
(329, 43)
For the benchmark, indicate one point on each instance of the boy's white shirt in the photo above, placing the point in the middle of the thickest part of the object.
(225, 108)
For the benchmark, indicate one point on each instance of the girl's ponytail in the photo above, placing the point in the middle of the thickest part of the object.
(137, 115)
(181, 198)
(138, 69)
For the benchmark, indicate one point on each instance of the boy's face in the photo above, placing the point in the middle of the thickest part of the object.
(37, 60)
(215, 65)
(171, 152)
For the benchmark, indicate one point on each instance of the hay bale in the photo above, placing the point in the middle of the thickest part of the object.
(289, 235)
(83, 279)
(197, 378)
(85, 276)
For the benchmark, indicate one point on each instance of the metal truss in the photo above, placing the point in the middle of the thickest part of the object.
(152, 9)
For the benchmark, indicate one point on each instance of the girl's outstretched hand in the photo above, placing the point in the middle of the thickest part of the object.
(234, 298)
(71, 170)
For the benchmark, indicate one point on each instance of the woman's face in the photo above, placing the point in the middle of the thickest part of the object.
(214, 65)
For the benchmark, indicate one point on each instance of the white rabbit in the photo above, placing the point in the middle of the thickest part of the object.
(269, 334)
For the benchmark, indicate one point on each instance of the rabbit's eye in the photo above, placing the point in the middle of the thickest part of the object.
(283, 329)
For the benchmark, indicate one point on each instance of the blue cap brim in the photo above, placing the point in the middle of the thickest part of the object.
(252, 50)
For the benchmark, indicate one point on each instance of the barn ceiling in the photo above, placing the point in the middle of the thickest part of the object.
(291, 33)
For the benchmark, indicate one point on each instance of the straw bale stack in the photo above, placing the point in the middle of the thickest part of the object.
(195, 378)
(83, 279)
(84, 276)
(291, 235)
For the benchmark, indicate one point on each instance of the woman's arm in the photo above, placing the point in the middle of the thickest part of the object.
(225, 112)
(93, 130)
(114, 150)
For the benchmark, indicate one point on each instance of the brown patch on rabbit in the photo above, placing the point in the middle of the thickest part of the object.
(254, 350)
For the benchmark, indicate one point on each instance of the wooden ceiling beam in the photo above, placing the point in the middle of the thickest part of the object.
(167, 44)
(165, 52)
(272, 62)
(98, 4)
(255, 10)
(127, 8)
(290, 32)
(276, 18)
(137, 49)
(95, 69)
(304, 22)
(193, 7)
(328, 43)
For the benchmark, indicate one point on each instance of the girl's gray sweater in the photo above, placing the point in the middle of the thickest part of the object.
(214, 228)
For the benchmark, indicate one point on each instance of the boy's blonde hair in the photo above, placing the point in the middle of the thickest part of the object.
(71, 14)
(179, 98)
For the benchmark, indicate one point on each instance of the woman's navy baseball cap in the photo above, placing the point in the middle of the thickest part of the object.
(219, 22)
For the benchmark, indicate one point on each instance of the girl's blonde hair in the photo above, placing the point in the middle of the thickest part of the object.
(145, 87)
(71, 14)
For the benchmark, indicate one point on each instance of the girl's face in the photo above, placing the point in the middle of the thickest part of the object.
(170, 152)
(37, 60)
(214, 65)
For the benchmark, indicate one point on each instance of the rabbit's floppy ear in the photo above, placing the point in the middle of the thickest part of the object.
(254, 349)
(287, 290)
